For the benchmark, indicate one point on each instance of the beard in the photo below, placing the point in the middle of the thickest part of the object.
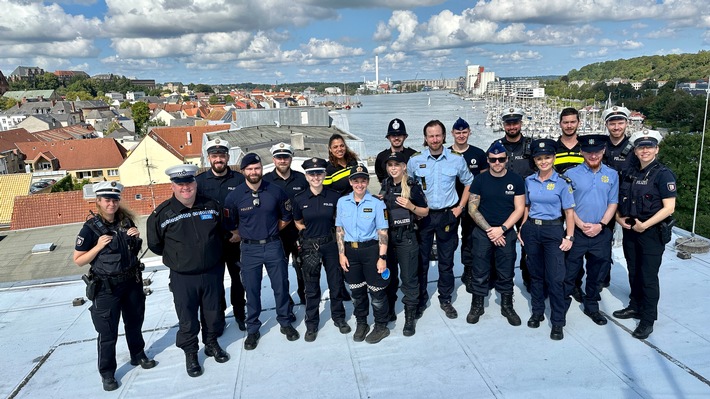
(253, 179)
(219, 167)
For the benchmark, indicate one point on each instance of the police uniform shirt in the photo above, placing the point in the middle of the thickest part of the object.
(476, 160)
(188, 239)
(594, 191)
(567, 157)
(619, 157)
(381, 161)
(399, 216)
(337, 177)
(217, 187)
(437, 176)
(294, 184)
(361, 221)
(547, 198)
(317, 212)
(650, 191)
(257, 222)
(519, 162)
(497, 195)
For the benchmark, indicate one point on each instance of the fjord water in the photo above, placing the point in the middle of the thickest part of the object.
(370, 121)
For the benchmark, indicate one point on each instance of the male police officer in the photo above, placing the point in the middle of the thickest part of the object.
(257, 211)
(496, 203)
(215, 184)
(596, 196)
(619, 150)
(396, 134)
(519, 161)
(187, 231)
(292, 182)
(568, 151)
(436, 169)
(476, 161)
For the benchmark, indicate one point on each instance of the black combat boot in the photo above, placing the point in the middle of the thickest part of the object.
(192, 364)
(213, 349)
(476, 310)
(361, 331)
(109, 383)
(378, 333)
(410, 320)
(142, 360)
(506, 309)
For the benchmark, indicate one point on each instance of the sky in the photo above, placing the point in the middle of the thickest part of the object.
(288, 41)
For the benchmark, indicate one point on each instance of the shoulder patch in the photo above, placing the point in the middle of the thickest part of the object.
(79, 240)
(670, 186)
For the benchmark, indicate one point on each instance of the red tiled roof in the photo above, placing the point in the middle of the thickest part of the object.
(40, 210)
(89, 154)
(8, 138)
(216, 114)
(176, 137)
(65, 133)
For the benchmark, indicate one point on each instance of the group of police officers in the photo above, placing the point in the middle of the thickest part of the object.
(563, 198)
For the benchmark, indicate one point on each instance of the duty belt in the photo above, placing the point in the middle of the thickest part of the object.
(363, 244)
(265, 241)
(440, 210)
(542, 222)
(318, 240)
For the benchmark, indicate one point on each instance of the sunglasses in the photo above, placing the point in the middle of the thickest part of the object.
(497, 159)
(255, 201)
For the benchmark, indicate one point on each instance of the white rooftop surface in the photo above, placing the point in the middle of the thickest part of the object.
(49, 349)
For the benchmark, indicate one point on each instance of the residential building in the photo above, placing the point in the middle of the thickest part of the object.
(66, 76)
(134, 95)
(4, 84)
(12, 160)
(32, 95)
(185, 141)
(25, 73)
(36, 123)
(147, 162)
(12, 186)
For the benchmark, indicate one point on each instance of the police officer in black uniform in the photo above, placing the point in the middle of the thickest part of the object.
(406, 204)
(647, 196)
(186, 230)
(520, 162)
(292, 182)
(215, 184)
(396, 134)
(314, 213)
(110, 242)
(257, 211)
(619, 153)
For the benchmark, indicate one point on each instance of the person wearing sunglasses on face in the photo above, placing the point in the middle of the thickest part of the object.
(257, 211)
(314, 214)
(496, 203)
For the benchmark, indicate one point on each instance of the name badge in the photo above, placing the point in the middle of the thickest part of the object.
(367, 210)
(206, 217)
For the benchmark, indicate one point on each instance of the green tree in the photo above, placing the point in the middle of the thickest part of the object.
(69, 183)
(47, 81)
(125, 105)
(7, 103)
(203, 88)
(81, 95)
(215, 99)
(141, 114)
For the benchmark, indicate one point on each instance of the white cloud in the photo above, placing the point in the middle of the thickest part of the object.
(639, 25)
(516, 57)
(591, 54)
(329, 49)
(32, 23)
(631, 45)
(61, 49)
(550, 35)
(671, 51)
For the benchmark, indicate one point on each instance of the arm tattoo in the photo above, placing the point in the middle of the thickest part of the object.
(474, 200)
(382, 234)
(340, 238)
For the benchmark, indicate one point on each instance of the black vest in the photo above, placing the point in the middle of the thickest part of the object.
(639, 196)
(398, 216)
(116, 258)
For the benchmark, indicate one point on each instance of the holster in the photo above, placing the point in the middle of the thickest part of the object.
(666, 229)
(92, 285)
(310, 262)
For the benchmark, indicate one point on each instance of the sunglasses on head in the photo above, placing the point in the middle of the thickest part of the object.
(497, 159)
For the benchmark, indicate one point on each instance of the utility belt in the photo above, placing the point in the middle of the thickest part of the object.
(94, 282)
(442, 210)
(262, 242)
(542, 222)
(360, 245)
(316, 241)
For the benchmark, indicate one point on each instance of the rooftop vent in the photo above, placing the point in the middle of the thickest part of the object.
(42, 248)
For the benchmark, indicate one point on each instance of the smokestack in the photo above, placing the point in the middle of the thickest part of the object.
(377, 70)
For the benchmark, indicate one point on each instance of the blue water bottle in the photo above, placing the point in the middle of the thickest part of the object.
(386, 274)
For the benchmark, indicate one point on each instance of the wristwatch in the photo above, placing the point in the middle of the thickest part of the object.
(502, 227)
(604, 225)
(570, 238)
(383, 257)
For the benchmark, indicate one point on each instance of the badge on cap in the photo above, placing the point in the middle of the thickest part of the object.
(358, 169)
(281, 145)
(591, 141)
(541, 145)
(314, 160)
(216, 141)
(395, 125)
(511, 110)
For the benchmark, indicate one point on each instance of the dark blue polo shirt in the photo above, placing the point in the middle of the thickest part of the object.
(497, 195)
(316, 211)
(296, 182)
(257, 222)
(217, 187)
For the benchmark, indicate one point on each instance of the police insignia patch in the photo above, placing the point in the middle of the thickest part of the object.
(287, 205)
(570, 189)
(550, 186)
(446, 229)
(79, 240)
(671, 186)
(509, 187)
(605, 179)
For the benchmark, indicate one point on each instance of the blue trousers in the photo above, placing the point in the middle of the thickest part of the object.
(597, 251)
(254, 258)
(444, 226)
(484, 251)
(546, 263)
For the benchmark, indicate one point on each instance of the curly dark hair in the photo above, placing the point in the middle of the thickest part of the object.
(350, 156)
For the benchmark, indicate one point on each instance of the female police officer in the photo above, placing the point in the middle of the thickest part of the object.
(647, 195)
(542, 234)
(361, 233)
(314, 215)
(109, 242)
(405, 202)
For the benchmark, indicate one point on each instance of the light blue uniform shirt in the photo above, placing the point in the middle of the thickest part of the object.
(437, 176)
(361, 221)
(594, 192)
(547, 198)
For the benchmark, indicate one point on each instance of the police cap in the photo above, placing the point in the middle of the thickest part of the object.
(543, 147)
(460, 124)
(182, 173)
(497, 148)
(359, 171)
(396, 128)
(249, 159)
(592, 142)
(217, 146)
(397, 156)
(314, 165)
(615, 113)
(646, 138)
(281, 149)
(108, 189)
(512, 115)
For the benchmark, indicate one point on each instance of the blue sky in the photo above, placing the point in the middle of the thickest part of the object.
(282, 41)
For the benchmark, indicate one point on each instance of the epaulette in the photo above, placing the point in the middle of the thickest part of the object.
(568, 180)
(161, 207)
(416, 153)
(412, 181)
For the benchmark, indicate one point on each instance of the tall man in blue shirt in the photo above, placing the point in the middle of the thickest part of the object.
(596, 196)
(437, 168)
(257, 211)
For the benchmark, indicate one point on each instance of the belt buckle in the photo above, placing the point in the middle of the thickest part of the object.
(354, 245)
(538, 222)
(262, 242)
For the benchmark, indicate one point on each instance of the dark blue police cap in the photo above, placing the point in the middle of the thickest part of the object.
(396, 128)
(497, 148)
(249, 159)
(397, 156)
(592, 142)
(460, 124)
(314, 164)
(358, 171)
(543, 147)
